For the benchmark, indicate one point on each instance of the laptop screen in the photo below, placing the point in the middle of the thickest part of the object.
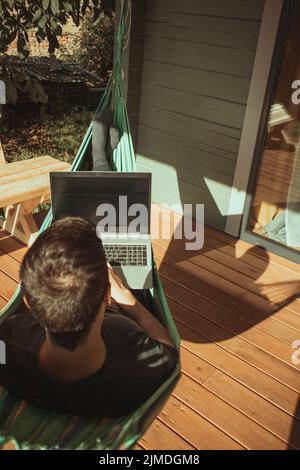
(117, 202)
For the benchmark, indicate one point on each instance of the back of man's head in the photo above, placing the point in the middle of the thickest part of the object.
(64, 278)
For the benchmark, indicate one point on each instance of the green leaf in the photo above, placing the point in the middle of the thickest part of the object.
(55, 6)
(21, 42)
(40, 35)
(11, 36)
(55, 27)
(68, 6)
(37, 14)
(53, 42)
(42, 22)
(24, 52)
(45, 4)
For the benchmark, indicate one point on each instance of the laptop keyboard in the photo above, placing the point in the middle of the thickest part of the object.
(126, 255)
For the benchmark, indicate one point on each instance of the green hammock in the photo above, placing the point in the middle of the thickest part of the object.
(29, 427)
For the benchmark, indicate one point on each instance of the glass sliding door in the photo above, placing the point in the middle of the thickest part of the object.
(274, 212)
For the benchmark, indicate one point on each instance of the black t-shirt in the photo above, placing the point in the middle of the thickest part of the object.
(135, 366)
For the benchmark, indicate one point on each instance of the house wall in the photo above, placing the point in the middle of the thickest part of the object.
(193, 64)
(134, 64)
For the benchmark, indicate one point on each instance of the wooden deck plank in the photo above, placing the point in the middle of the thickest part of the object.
(262, 292)
(253, 356)
(243, 399)
(232, 305)
(231, 326)
(240, 246)
(251, 265)
(257, 409)
(279, 288)
(171, 440)
(3, 302)
(246, 262)
(138, 447)
(9, 265)
(257, 381)
(200, 432)
(193, 277)
(8, 286)
(225, 417)
(239, 388)
(12, 246)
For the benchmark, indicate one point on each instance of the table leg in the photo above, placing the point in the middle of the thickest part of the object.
(20, 221)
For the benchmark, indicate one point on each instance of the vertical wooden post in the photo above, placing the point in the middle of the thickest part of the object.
(2, 163)
(2, 157)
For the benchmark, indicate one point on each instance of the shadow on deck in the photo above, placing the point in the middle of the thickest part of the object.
(237, 309)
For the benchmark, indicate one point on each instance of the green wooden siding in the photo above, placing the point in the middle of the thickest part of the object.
(197, 66)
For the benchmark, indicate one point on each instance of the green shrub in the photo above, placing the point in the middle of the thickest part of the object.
(94, 46)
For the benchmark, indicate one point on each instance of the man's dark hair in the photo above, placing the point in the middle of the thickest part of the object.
(64, 278)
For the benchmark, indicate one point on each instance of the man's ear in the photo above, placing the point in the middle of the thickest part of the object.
(107, 296)
(26, 302)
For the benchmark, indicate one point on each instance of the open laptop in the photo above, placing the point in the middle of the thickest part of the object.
(97, 196)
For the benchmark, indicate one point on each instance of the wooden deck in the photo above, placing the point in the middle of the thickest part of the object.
(237, 309)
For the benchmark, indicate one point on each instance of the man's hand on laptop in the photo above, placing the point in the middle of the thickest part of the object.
(135, 310)
(119, 292)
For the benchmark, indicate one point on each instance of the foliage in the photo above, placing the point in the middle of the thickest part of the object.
(46, 18)
(94, 46)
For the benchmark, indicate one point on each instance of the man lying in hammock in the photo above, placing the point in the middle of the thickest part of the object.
(86, 346)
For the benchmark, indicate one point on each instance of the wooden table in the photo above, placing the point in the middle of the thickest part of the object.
(23, 186)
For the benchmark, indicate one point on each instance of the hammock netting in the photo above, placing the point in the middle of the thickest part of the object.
(28, 427)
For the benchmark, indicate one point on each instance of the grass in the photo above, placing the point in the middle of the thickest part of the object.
(29, 136)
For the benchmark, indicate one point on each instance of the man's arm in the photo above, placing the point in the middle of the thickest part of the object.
(135, 310)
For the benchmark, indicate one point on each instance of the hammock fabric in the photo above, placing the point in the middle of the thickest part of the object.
(28, 427)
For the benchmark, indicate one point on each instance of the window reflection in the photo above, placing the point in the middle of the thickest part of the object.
(275, 210)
